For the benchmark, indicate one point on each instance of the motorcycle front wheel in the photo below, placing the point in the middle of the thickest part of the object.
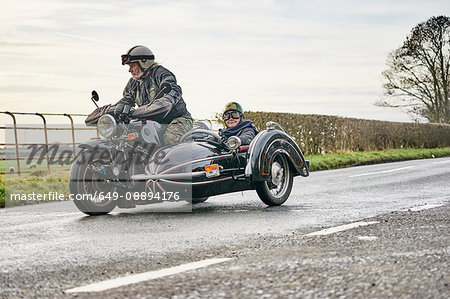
(90, 188)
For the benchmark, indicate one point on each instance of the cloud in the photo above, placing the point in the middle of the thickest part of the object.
(269, 54)
(24, 89)
(83, 38)
(14, 44)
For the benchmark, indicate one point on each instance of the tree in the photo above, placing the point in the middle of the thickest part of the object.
(417, 77)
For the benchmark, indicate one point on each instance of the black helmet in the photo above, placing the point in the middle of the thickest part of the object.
(140, 54)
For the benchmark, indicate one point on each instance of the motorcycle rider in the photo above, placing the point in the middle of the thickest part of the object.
(155, 91)
(233, 116)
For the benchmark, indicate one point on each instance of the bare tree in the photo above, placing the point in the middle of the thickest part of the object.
(417, 77)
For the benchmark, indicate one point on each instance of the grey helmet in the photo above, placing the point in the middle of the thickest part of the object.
(140, 54)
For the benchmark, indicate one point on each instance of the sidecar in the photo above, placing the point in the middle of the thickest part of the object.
(206, 166)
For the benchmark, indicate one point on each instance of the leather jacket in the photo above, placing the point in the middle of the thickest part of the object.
(154, 104)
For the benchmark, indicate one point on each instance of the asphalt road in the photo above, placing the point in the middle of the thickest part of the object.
(48, 249)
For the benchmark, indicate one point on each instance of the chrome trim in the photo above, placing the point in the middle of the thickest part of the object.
(270, 125)
(169, 176)
(248, 168)
(234, 140)
(198, 183)
(113, 125)
(221, 156)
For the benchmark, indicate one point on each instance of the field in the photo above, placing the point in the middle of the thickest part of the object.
(55, 163)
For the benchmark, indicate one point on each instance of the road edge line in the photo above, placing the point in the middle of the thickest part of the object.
(422, 208)
(145, 276)
(340, 228)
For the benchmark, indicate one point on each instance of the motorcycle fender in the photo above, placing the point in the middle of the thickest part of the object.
(264, 149)
(99, 146)
(96, 143)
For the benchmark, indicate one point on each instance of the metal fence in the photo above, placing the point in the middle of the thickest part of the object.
(17, 144)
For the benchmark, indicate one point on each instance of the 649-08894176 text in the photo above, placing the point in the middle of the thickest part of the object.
(136, 196)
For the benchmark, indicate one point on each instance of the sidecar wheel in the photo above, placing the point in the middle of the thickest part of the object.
(277, 189)
(85, 182)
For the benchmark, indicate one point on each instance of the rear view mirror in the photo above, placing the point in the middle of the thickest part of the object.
(94, 97)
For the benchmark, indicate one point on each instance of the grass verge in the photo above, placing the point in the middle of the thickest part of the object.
(43, 181)
(38, 182)
(349, 159)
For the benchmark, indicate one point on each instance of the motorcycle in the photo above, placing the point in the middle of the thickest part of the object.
(129, 166)
(100, 174)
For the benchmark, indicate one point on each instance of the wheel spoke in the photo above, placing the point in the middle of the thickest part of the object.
(93, 182)
(278, 175)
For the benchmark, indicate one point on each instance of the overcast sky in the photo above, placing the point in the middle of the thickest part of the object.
(320, 57)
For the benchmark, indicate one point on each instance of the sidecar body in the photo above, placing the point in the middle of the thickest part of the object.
(207, 167)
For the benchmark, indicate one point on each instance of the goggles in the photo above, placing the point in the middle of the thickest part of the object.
(126, 58)
(232, 114)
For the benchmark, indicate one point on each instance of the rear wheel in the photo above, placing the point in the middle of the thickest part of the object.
(276, 190)
(90, 188)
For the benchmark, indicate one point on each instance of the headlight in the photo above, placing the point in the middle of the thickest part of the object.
(234, 142)
(106, 126)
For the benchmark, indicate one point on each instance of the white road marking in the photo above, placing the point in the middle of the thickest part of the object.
(69, 214)
(367, 238)
(340, 228)
(378, 172)
(421, 208)
(136, 278)
(440, 162)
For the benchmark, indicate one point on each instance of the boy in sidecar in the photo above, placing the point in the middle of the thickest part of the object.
(233, 116)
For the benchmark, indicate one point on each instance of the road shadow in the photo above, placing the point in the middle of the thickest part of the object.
(201, 209)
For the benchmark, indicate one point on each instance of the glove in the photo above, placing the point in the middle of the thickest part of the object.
(126, 114)
(222, 136)
(126, 109)
(111, 109)
(119, 109)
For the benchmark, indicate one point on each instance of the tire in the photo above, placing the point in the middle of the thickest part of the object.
(199, 200)
(86, 180)
(276, 190)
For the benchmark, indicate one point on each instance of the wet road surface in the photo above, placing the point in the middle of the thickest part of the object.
(50, 248)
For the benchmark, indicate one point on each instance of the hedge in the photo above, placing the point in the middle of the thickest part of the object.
(317, 134)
